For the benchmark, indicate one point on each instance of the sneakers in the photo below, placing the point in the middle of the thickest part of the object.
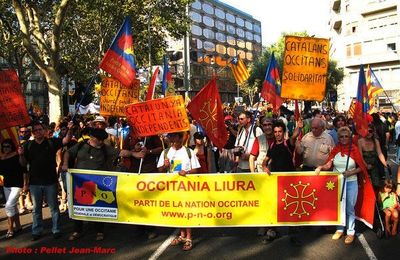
(337, 235)
(349, 239)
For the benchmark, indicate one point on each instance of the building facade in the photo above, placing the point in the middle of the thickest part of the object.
(218, 33)
(367, 32)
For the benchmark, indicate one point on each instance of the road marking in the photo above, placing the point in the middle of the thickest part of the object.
(366, 247)
(164, 245)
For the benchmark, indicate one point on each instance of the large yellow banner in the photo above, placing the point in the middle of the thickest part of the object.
(305, 68)
(207, 200)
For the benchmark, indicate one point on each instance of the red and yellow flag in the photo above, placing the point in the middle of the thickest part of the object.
(239, 70)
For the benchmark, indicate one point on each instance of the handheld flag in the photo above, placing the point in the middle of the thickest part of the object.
(206, 108)
(271, 90)
(239, 70)
(361, 105)
(374, 88)
(119, 60)
(167, 79)
(152, 86)
(352, 107)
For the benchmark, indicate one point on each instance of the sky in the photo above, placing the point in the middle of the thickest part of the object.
(279, 16)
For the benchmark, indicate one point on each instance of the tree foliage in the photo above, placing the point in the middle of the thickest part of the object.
(69, 37)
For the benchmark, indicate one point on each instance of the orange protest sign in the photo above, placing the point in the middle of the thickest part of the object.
(13, 110)
(158, 116)
(114, 96)
(305, 67)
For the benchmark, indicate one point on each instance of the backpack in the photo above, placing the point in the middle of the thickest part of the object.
(187, 150)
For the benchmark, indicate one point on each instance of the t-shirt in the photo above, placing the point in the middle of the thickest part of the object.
(42, 160)
(179, 160)
(12, 172)
(339, 164)
(92, 158)
(281, 157)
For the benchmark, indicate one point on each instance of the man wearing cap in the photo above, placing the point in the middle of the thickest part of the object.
(91, 155)
(100, 122)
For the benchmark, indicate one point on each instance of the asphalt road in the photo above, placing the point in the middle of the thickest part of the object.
(128, 242)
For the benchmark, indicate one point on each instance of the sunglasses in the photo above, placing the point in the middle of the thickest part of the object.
(242, 118)
(344, 136)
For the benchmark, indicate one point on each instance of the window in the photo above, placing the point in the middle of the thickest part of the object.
(196, 30)
(230, 29)
(219, 13)
(220, 25)
(241, 54)
(220, 37)
(221, 49)
(209, 46)
(231, 52)
(249, 46)
(195, 16)
(249, 25)
(257, 38)
(196, 5)
(257, 28)
(208, 21)
(239, 21)
(240, 32)
(357, 48)
(231, 40)
(208, 34)
(199, 44)
(249, 55)
(391, 46)
(230, 18)
(208, 9)
(249, 36)
(240, 43)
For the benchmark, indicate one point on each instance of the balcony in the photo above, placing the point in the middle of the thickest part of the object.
(379, 7)
(336, 5)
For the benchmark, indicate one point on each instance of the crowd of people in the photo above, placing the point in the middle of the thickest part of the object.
(258, 141)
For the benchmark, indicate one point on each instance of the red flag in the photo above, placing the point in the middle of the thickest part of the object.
(206, 108)
(308, 198)
(150, 91)
(119, 60)
(361, 105)
(271, 89)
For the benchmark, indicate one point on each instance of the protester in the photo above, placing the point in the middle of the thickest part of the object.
(315, 146)
(261, 144)
(349, 167)
(91, 155)
(397, 134)
(226, 159)
(11, 170)
(181, 160)
(338, 122)
(371, 151)
(40, 154)
(279, 158)
(390, 206)
(25, 201)
(201, 152)
(247, 133)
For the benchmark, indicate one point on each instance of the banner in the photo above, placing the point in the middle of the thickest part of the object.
(207, 200)
(13, 111)
(158, 116)
(305, 68)
(114, 96)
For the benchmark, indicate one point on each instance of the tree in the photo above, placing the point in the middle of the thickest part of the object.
(334, 78)
(70, 37)
(250, 90)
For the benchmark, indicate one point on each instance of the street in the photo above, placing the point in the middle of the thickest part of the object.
(123, 241)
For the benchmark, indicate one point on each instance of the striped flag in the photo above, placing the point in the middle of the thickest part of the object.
(374, 88)
(239, 70)
(10, 133)
(352, 107)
